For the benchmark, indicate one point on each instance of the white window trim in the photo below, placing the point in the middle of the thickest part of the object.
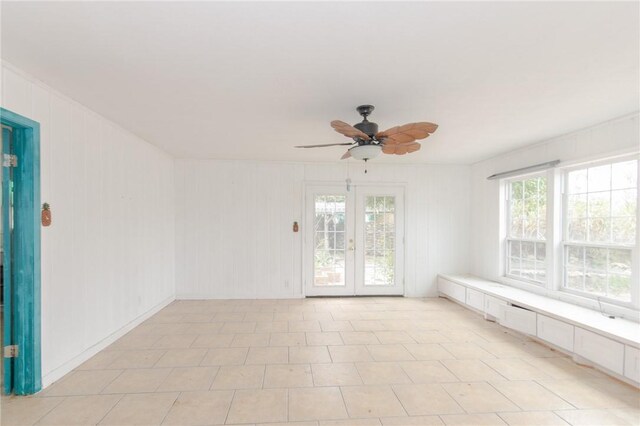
(555, 244)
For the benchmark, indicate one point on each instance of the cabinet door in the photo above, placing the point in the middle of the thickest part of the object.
(494, 307)
(599, 349)
(632, 363)
(475, 299)
(519, 319)
(452, 290)
(556, 332)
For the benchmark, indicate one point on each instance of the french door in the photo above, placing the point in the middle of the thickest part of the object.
(354, 241)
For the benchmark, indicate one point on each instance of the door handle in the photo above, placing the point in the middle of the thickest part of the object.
(351, 246)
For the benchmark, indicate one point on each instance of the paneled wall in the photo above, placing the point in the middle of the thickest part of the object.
(108, 257)
(611, 138)
(234, 224)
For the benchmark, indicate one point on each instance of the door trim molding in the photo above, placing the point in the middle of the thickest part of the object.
(27, 374)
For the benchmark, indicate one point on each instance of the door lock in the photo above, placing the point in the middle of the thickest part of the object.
(351, 245)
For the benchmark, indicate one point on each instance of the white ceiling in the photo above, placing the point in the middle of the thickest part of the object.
(250, 80)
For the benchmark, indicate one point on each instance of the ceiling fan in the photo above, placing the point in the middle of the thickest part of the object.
(369, 142)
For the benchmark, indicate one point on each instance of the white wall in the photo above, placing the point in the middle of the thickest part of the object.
(234, 224)
(611, 138)
(108, 257)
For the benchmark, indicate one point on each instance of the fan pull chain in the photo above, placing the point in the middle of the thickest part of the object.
(365, 165)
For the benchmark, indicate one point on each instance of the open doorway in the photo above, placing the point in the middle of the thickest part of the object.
(21, 370)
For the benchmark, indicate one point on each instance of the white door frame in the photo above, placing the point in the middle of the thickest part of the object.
(312, 188)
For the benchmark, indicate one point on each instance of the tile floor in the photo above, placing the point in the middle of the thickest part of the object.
(336, 361)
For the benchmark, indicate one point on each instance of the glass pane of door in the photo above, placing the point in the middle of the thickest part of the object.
(329, 240)
(379, 240)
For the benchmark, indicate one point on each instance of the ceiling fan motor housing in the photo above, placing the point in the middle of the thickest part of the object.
(368, 127)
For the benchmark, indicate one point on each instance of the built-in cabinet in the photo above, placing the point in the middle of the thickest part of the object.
(613, 356)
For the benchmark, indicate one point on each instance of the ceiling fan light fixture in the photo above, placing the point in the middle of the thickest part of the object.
(365, 152)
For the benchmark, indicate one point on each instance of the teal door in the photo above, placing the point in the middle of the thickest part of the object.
(7, 259)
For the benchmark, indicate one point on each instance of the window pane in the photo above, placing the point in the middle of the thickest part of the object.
(577, 206)
(598, 228)
(596, 258)
(620, 286)
(623, 203)
(577, 181)
(623, 230)
(620, 261)
(624, 175)
(596, 283)
(577, 230)
(599, 178)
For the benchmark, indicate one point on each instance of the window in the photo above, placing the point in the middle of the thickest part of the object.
(600, 219)
(526, 229)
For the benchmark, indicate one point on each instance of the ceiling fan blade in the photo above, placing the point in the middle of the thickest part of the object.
(401, 149)
(326, 144)
(346, 155)
(406, 133)
(348, 130)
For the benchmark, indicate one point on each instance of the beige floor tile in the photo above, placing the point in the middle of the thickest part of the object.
(336, 374)
(533, 418)
(229, 317)
(245, 340)
(268, 355)
(202, 328)
(213, 341)
(175, 341)
(239, 377)
(188, 379)
(471, 370)
(258, 406)
(272, 327)
(428, 351)
(288, 376)
(350, 353)
(382, 373)
(516, 369)
(238, 327)
(288, 339)
(289, 424)
(136, 341)
(391, 337)
(225, 356)
(140, 409)
(411, 421)
(487, 419)
(181, 358)
(200, 408)
(371, 401)
(258, 317)
(389, 353)
(100, 361)
(323, 403)
(25, 411)
(466, 350)
(351, 422)
(631, 415)
(138, 380)
(594, 418)
(359, 338)
(530, 396)
(90, 382)
(308, 355)
(368, 325)
(324, 338)
(598, 393)
(304, 326)
(427, 372)
(479, 397)
(318, 316)
(80, 410)
(338, 325)
(562, 368)
(138, 358)
(429, 336)
(426, 399)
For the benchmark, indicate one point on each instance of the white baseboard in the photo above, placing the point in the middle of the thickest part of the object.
(76, 361)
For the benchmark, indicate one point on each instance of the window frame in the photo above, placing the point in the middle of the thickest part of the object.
(507, 223)
(634, 303)
(555, 239)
